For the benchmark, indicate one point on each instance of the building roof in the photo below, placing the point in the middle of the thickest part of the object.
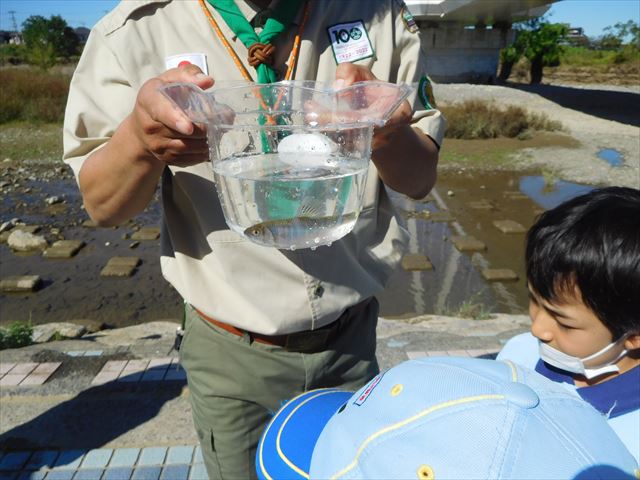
(478, 11)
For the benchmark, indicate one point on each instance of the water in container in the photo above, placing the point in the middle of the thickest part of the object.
(290, 160)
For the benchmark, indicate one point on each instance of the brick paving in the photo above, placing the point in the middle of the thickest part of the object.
(145, 370)
(181, 462)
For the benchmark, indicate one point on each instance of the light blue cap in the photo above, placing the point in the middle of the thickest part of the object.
(444, 418)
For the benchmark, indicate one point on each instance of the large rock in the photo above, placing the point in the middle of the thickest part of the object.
(46, 332)
(144, 333)
(63, 249)
(412, 262)
(20, 283)
(120, 267)
(499, 274)
(468, 243)
(22, 241)
(463, 327)
(146, 233)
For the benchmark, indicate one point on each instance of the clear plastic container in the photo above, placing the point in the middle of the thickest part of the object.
(290, 159)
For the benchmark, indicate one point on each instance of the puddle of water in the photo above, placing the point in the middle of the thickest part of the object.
(456, 284)
(535, 187)
(611, 156)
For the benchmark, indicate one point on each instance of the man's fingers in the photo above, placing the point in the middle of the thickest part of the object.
(348, 74)
(401, 116)
(170, 150)
(161, 110)
(188, 74)
(187, 146)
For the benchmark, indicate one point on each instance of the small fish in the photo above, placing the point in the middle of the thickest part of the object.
(299, 232)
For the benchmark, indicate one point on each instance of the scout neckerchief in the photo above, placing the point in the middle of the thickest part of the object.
(260, 57)
(260, 48)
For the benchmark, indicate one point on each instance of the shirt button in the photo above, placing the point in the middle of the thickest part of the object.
(318, 291)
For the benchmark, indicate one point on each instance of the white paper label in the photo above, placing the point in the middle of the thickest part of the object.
(198, 59)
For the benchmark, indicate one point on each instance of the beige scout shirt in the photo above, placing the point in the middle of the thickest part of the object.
(227, 277)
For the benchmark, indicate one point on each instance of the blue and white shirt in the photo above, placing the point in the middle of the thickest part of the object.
(618, 399)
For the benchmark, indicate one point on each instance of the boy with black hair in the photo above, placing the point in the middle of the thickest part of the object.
(583, 273)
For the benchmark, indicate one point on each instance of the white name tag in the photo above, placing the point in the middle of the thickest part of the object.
(198, 59)
(350, 41)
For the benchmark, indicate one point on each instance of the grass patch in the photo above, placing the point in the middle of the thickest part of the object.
(16, 335)
(31, 95)
(25, 141)
(477, 119)
(587, 57)
(550, 179)
(449, 156)
(57, 337)
(498, 152)
(471, 308)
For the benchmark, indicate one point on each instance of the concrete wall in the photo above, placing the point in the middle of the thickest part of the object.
(456, 54)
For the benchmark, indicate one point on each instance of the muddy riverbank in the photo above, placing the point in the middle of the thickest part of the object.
(72, 289)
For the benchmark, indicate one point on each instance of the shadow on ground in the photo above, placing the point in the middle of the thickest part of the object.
(618, 106)
(91, 419)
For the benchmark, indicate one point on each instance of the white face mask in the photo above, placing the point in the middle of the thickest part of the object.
(592, 366)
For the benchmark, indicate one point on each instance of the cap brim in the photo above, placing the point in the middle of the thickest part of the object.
(288, 441)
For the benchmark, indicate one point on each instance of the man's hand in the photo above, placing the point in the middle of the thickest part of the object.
(163, 130)
(406, 158)
(347, 74)
(118, 181)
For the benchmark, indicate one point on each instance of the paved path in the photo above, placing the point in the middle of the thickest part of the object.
(116, 404)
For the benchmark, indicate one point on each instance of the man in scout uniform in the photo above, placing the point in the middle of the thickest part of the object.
(262, 324)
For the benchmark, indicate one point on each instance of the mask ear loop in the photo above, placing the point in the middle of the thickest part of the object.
(604, 350)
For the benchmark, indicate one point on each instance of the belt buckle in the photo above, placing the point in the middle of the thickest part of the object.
(307, 341)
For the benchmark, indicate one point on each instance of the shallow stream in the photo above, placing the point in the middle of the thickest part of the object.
(74, 291)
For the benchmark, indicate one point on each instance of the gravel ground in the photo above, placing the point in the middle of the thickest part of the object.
(599, 117)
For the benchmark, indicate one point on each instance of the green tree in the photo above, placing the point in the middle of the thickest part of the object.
(509, 56)
(42, 55)
(624, 32)
(47, 39)
(608, 42)
(539, 41)
(12, 54)
(542, 47)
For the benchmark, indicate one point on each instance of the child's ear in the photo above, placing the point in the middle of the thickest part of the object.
(632, 342)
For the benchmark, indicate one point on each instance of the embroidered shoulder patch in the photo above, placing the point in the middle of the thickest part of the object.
(350, 41)
(425, 92)
(408, 20)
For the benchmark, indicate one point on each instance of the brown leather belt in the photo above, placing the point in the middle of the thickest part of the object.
(306, 341)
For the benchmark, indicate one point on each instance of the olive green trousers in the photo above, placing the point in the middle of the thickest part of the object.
(236, 385)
